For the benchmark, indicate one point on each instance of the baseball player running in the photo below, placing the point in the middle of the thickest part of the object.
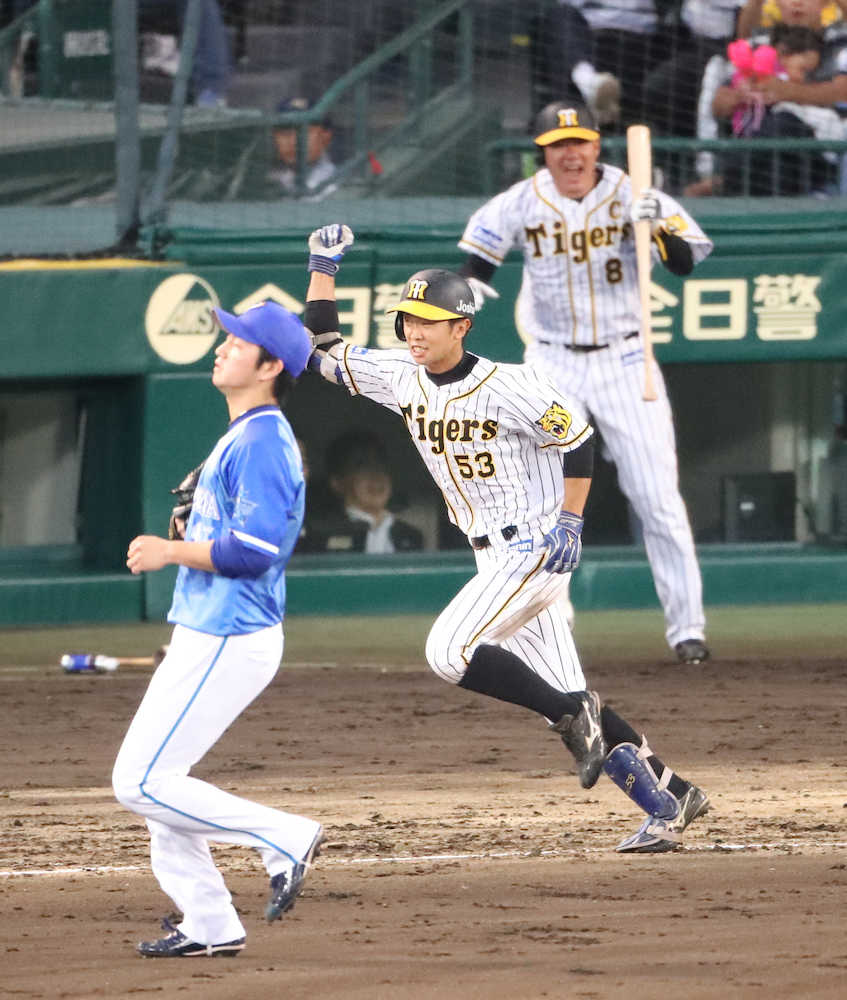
(513, 460)
(578, 310)
(228, 605)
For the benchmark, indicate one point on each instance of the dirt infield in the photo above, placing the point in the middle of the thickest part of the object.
(463, 860)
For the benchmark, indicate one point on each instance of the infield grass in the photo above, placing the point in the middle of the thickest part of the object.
(813, 630)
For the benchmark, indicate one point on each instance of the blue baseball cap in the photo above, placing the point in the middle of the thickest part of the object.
(279, 331)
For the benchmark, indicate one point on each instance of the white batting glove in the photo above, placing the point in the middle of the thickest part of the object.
(564, 542)
(327, 246)
(646, 206)
(481, 291)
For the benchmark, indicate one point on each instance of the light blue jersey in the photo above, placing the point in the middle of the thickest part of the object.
(250, 492)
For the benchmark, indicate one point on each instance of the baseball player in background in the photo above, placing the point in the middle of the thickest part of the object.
(227, 611)
(578, 311)
(513, 459)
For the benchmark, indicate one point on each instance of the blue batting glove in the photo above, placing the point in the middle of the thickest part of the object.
(327, 246)
(565, 543)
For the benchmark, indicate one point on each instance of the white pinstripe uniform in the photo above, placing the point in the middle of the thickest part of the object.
(580, 290)
(493, 441)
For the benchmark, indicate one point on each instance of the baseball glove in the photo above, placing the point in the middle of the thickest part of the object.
(184, 494)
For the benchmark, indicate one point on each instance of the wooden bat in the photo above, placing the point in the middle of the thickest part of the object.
(97, 663)
(640, 165)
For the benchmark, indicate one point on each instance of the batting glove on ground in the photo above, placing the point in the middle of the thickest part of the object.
(327, 246)
(565, 543)
(646, 206)
(481, 292)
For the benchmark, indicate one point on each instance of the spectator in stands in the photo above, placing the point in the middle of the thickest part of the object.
(359, 521)
(212, 69)
(672, 88)
(320, 167)
(794, 55)
(598, 52)
(756, 15)
(791, 109)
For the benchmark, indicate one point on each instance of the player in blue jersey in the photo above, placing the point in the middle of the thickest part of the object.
(227, 611)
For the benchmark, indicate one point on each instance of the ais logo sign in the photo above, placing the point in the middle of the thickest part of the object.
(179, 321)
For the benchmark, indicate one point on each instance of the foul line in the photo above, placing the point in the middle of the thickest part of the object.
(435, 858)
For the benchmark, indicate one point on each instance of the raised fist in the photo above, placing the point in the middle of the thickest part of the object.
(327, 246)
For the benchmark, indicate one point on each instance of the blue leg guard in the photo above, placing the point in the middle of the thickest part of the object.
(629, 769)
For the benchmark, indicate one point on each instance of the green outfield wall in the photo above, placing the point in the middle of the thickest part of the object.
(134, 341)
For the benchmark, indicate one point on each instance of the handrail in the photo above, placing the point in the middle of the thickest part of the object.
(674, 144)
(670, 144)
(388, 51)
(359, 75)
(31, 20)
(412, 41)
(13, 28)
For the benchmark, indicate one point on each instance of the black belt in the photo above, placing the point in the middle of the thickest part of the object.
(483, 541)
(585, 348)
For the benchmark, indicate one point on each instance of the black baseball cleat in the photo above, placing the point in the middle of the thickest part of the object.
(692, 651)
(177, 945)
(582, 734)
(285, 887)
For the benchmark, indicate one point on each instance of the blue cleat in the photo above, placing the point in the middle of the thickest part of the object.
(659, 836)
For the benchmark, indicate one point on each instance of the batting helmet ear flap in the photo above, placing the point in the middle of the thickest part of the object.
(398, 327)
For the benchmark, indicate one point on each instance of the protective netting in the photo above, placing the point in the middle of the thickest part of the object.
(291, 101)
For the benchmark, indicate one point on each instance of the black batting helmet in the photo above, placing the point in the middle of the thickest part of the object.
(434, 294)
(561, 120)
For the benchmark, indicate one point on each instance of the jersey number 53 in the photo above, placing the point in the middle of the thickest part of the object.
(481, 465)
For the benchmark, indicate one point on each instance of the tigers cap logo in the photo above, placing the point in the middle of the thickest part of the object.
(417, 290)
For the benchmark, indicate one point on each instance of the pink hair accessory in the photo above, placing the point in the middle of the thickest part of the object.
(765, 61)
(740, 54)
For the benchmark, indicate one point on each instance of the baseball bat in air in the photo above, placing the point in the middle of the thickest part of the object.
(640, 165)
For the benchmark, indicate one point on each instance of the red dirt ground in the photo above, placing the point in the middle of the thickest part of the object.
(463, 860)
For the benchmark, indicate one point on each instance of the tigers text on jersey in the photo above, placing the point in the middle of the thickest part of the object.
(492, 439)
(580, 280)
(252, 486)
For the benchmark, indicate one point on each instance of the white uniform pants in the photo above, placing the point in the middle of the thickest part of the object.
(640, 438)
(514, 603)
(199, 689)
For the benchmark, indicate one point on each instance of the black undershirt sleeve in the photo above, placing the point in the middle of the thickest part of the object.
(476, 267)
(321, 315)
(675, 252)
(579, 463)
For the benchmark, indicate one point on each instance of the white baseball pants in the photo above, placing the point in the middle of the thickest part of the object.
(199, 689)
(511, 602)
(641, 441)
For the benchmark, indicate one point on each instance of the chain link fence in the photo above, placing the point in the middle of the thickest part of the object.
(232, 112)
